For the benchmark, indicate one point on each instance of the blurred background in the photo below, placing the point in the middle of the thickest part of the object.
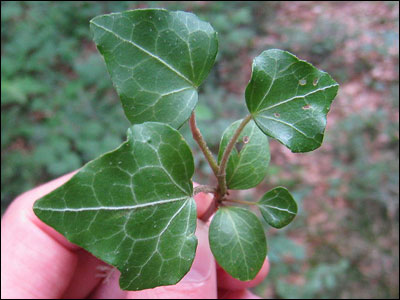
(59, 110)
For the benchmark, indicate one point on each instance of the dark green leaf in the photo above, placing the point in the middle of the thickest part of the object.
(238, 242)
(278, 207)
(132, 207)
(246, 168)
(156, 60)
(289, 99)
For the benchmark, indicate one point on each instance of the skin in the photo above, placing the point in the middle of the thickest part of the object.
(38, 262)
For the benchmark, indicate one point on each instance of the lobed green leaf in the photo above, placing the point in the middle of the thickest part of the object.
(246, 168)
(132, 207)
(278, 207)
(238, 242)
(289, 99)
(156, 60)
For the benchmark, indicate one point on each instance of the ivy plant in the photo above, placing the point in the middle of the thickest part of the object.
(133, 207)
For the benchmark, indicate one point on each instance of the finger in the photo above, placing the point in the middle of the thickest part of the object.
(37, 261)
(241, 294)
(199, 283)
(227, 282)
(203, 201)
(90, 271)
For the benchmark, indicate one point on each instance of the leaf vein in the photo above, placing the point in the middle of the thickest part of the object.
(159, 59)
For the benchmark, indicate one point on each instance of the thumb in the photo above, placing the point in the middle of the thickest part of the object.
(199, 283)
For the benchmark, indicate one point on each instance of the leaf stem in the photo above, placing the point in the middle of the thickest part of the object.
(203, 189)
(202, 144)
(221, 176)
(241, 201)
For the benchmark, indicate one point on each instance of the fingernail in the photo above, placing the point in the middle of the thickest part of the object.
(203, 264)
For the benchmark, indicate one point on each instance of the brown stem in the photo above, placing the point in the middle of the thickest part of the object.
(241, 201)
(221, 176)
(203, 189)
(202, 144)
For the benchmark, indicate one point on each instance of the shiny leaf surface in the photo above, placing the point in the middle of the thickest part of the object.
(246, 168)
(156, 59)
(289, 99)
(132, 207)
(278, 207)
(238, 242)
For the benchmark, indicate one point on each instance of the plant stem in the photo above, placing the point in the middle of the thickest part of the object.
(203, 189)
(221, 176)
(241, 201)
(202, 144)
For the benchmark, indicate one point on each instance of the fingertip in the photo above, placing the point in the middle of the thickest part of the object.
(240, 294)
(90, 271)
(203, 201)
(23, 204)
(33, 250)
(227, 282)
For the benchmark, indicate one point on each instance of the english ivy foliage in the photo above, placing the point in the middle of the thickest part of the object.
(156, 59)
(133, 207)
(246, 168)
(238, 242)
(278, 207)
(289, 99)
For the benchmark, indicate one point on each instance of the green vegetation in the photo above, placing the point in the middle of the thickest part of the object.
(133, 207)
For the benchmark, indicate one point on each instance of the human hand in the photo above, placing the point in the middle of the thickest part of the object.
(38, 262)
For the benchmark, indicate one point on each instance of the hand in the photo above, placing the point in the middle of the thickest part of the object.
(38, 262)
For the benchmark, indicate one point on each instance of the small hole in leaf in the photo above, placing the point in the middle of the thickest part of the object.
(308, 106)
(239, 146)
(277, 115)
(315, 81)
(246, 139)
(302, 81)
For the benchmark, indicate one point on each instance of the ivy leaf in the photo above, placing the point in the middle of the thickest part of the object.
(132, 207)
(289, 99)
(246, 168)
(156, 59)
(238, 242)
(278, 207)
